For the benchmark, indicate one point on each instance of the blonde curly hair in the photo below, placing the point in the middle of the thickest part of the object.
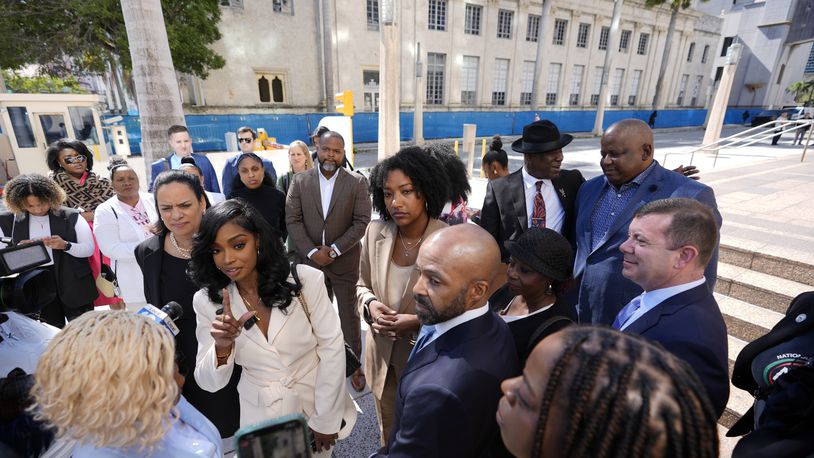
(108, 380)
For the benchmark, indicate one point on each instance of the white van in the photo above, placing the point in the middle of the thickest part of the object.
(799, 112)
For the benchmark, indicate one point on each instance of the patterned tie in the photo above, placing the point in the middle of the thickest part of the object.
(424, 337)
(627, 312)
(538, 215)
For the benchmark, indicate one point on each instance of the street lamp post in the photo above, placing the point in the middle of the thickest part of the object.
(716, 113)
(390, 78)
(613, 39)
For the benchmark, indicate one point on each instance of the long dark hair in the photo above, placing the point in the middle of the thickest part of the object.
(272, 266)
(238, 183)
(456, 175)
(426, 173)
(52, 153)
(174, 176)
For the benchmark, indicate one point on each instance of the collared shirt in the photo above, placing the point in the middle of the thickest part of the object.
(650, 299)
(612, 202)
(39, 227)
(175, 161)
(554, 213)
(326, 190)
(469, 315)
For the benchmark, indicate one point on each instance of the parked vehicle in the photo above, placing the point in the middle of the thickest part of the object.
(768, 116)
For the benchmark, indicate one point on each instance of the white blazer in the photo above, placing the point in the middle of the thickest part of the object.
(118, 235)
(299, 369)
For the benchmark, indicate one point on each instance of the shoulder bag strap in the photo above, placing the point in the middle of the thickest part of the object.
(543, 327)
(300, 295)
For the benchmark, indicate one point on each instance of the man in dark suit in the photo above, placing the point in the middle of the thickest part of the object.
(448, 393)
(510, 202)
(669, 245)
(606, 204)
(327, 211)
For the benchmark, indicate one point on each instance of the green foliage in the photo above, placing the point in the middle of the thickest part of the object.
(803, 91)
(73, 36)
(674, 4)
(40, 84)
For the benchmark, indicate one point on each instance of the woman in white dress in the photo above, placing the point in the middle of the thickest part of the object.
(122, 222)
(292, 354)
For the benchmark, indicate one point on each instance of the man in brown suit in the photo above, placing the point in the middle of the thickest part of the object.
(327, 211)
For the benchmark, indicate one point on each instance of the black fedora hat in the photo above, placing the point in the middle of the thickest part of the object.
(545, 251)
(541, 137)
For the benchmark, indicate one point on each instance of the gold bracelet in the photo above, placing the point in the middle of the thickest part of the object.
(226, 356)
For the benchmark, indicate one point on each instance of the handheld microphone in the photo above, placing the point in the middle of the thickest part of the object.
(166, 316)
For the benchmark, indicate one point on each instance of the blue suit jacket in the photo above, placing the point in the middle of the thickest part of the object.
(603, 291)
(210, 177)
(230, 172)
(690, 326)
(448, 393)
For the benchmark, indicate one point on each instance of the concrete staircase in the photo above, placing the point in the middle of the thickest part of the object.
(753, 291)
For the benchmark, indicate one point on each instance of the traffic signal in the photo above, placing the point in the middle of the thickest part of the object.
(344, 103)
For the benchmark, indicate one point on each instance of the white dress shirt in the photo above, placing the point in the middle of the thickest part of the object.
(326, 191)
(469, 315)
(650, 299)
(554, 213)
(40, 227)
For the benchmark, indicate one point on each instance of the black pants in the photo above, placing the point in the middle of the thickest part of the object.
(56, 312)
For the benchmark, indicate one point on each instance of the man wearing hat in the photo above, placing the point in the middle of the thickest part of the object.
(539, 194)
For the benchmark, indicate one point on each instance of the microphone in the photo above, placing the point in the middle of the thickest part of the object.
(166, 316)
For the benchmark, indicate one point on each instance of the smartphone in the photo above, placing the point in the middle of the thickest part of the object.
(283, 437)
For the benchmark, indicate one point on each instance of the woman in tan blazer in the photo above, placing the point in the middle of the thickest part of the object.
(409, 192)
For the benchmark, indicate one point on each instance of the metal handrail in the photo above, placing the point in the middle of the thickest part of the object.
(760, 134)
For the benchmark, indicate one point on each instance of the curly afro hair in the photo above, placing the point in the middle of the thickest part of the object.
(22, 186)
(52, 153)
(455, 171)
(426, 172)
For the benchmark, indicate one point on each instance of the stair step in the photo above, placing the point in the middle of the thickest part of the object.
(760, 289)
(796, 271)
(727, 444)
(745, 311)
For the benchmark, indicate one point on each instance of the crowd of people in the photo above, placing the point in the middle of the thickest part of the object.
(569, 318)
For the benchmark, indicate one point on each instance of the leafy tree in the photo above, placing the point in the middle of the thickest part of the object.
(40, 83)
(803, 91)
(73, 36)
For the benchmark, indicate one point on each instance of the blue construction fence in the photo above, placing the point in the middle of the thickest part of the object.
(209, 131)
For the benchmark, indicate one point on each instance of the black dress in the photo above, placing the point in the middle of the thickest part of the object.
(270, 202)
(523, 329)
(223, 407)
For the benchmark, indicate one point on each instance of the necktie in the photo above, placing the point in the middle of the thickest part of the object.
(424, 338)
(627, 312)
(538, 214)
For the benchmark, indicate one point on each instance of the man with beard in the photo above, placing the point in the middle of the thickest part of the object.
(449, 390)
(327, 211)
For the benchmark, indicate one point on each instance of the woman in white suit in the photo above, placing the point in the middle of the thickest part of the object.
(293, 359)
(121, 223)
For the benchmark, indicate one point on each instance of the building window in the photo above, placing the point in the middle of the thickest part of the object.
(634, 87)
(283, 6)
(472, 19)
(21, 125)
(719, 73)
(780, 73)
(604, 34)
(232, 3)
(576, 84)
(370, 81)
(270, 87)
(533, 28)
(690, 52)
(527, 82)
(373, 14)
(705, 54)
(616, 86)
(582, 35)
(501, 78)
(682, 89)
(696, 90)
(809, 68)
(436, 64)
(437, 19)
(644, 39)
(560, 27)
(727, 43)
(624, 40)
(597, 86)
(553, 84)
(469, 80)
(504, 23)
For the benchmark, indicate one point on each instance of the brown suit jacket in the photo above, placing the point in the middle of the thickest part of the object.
(348, 216)
(377, 249)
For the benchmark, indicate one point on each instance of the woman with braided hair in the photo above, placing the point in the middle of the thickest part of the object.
(594, 392)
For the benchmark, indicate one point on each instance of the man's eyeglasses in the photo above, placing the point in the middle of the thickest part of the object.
(245, 140)
(72, 159)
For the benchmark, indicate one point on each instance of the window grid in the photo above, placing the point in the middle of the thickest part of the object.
(582, 35)
(576, 84)
(504, 23)
(527, 81)
(809, 68)
(560, 27)
(271, 87)
(597, 86)
(553, 83)
(634, 87)
(616, 86)
(690, 52)
(472, 19)
(682, 89)
(604, 34)
(705, 54)
(499, 86)
(436, 65)
(437, 15)
(469, 80)
(373, 14)
(624, 40)
(695, 90)
(533, 28)
(644, 39)
(283, 6)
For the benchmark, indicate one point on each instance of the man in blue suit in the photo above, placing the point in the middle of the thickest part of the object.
(181, 143)
(669, 245)
(448, 393)
(606, 204)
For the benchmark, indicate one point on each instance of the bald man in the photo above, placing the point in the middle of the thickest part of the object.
(604, 208)
(448, 393)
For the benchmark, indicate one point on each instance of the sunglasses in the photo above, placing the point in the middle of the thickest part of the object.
(72, 159)
(245, 140)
